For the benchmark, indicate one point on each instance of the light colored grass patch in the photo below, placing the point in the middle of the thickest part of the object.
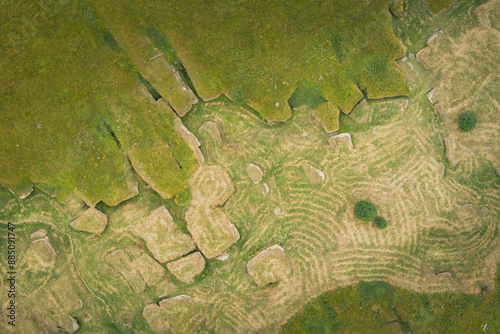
(255, 173)
(120, 261)
(40, 254)
(211, 185)
(269, 266)
(92, 221)
(151, 271)
(465, 71)
(181, 314)
(163, 238)
(211, 229)
(209, 225)
(187, 267)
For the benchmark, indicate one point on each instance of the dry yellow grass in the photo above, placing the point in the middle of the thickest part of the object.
(208, 224)
(465, 73)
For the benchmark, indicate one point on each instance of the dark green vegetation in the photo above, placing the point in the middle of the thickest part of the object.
(377, 307)
(380, 222)
(467, 121)
(365, 211)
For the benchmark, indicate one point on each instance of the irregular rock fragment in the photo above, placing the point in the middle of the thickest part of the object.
(213, 131)
(92, 221)
(120, 261)
(163, 238)
(181, 314)
(40, 254)
(222, 257)
(186, 268)
(255, 173)
(38, 234)
(451, 147)
(314, 175)
(210, 226)
(269, 266)
(328, 116)
(165, 288)
(211, 229)
(191, 140)
(211, 185)
(72, 326)
(343, 139)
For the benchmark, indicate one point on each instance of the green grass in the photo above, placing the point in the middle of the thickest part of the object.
(306, 95)
(439, 5)
(339, 45)
(395, 164)
(420, 23)
(379, 305)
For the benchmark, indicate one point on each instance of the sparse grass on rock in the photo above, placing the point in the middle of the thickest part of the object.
(186, 268)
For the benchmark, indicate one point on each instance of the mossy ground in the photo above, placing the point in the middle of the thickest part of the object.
(443, 234)
(73, 105)
(332, 46)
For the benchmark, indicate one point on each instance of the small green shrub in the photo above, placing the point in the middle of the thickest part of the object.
(306, 95)
(467, 121)
(365, 211)
(380, 222)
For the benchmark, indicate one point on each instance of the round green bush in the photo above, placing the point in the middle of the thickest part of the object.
(467, 121)
(380, 222)
(365, 211)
